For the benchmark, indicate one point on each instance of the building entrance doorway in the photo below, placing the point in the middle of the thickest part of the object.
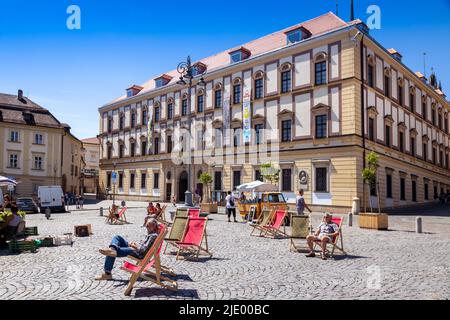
(182, 186)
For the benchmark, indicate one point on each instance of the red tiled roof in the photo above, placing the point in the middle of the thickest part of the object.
(316, 26)
(93, 140)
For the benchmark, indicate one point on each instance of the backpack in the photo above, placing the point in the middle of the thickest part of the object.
(231, 201)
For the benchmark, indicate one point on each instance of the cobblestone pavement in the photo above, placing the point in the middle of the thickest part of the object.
(410, 265)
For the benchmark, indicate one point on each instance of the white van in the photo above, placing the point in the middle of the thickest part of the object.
(51, 197)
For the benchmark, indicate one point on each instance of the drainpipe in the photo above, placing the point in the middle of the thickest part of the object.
(363, 123)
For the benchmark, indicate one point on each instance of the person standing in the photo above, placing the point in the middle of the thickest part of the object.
(301, 204)
(81, 202)
(231, 206)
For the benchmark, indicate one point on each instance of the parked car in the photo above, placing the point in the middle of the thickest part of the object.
(51, 197)
(27, 204)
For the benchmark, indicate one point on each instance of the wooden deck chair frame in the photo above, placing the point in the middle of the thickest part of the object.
(112, 219)
(297, 232)
(193, 248)
(162, 216)
(335, 244)
(268, 230)
(264, 220)
(173, 238)
(143, 271)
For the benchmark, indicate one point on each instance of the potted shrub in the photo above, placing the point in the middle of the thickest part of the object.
(372, 220)
(207, 205)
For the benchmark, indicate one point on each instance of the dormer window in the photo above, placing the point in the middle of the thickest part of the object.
(162, 81)
(199, 68)
(297, 34)
(134, 90)
(239, 55)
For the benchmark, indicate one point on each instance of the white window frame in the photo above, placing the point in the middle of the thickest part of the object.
(14, 136)
(10, 154)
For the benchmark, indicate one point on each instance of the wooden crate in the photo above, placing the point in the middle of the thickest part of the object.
(374, 221)
(83, 230)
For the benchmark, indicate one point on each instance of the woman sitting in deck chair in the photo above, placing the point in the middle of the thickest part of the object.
(325, 234)
(120, 248)
(113, 214)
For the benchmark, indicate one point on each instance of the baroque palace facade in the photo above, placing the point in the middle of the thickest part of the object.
(324, 92)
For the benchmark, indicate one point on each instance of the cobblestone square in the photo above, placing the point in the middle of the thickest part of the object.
(410, 265)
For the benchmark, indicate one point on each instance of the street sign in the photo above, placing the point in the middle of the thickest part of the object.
(114, 177)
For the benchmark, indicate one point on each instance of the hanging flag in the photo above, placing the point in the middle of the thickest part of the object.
(246, 117)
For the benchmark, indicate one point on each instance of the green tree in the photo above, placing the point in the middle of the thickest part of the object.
(369, 175)
(270, 173)
(206, 179)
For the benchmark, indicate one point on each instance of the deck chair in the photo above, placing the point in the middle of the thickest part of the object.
(112, 219)
(337, 239)
(194, 236)
(194, 213)
(176, 232)
(273, 229)
(150, 267)
(181, 212)
(300, 228)
(264, 219)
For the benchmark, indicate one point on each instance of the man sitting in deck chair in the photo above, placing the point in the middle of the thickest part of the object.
(120, 248)
(325, 233)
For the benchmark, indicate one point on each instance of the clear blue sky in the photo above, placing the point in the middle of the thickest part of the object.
(73, 73)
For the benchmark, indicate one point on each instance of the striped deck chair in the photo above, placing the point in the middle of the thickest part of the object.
(112, 219)
(194, 213)
(300, 228)
(176, 232)
(193, 238)
(273, 229)
(338, 242)
(264, 219)
(150, 267)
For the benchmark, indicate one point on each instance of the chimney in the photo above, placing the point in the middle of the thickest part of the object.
(395, 54)
(20, 96)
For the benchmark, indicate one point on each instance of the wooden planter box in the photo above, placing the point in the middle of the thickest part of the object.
(374, 221)
(208, 207)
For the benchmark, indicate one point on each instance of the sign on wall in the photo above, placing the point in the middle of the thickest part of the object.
(246, 117)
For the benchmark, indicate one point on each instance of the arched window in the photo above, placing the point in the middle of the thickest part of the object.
(370, 71)
(286, 77)
(218, 95)
(184, 105)
(200, 101)
(259, 85)
(170, 104)
(237, 91)
(320, 68)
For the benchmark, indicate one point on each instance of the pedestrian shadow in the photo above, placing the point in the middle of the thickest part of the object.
(348, 257)
(410, 231)
(154, 292)
(202, 259)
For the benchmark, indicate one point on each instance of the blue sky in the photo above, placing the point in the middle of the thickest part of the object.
(74, 72)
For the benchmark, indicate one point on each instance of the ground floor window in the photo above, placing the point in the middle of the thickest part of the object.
(132, 180)
(217, 181)
(402, 189)
(143, 181)
(108, 180)
(120, 180)
(286, 182)
(389, 186)
(156, 180)
(414, 191)
(425, 189)
(321, 182)
(236, 179)
(435, 192)
(258, 176)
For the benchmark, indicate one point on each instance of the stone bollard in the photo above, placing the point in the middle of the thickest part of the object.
(355, 206)
(101, 211)
(350, 219)
(419, 224)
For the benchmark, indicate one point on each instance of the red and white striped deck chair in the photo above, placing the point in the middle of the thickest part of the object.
(150, 267)
(193, 238)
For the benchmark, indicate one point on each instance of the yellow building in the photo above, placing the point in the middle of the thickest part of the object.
(92, 163)
(322, 94)
(37, 150)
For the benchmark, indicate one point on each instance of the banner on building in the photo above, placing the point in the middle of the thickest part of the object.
(246, 117)
(226, 120)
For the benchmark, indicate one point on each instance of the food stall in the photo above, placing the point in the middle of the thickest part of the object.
(260, 196)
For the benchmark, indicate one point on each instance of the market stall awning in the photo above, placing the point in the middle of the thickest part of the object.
(4, 181)
(257, 186)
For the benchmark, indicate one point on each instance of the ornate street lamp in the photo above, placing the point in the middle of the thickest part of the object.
(187, 73)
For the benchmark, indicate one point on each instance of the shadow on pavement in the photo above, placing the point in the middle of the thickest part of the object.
(152, 292)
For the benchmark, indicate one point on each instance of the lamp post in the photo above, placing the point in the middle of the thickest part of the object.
(114, 182)
(187, 72)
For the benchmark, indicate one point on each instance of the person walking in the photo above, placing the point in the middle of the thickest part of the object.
(301, 204)
(231, 206)
(81, 202)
